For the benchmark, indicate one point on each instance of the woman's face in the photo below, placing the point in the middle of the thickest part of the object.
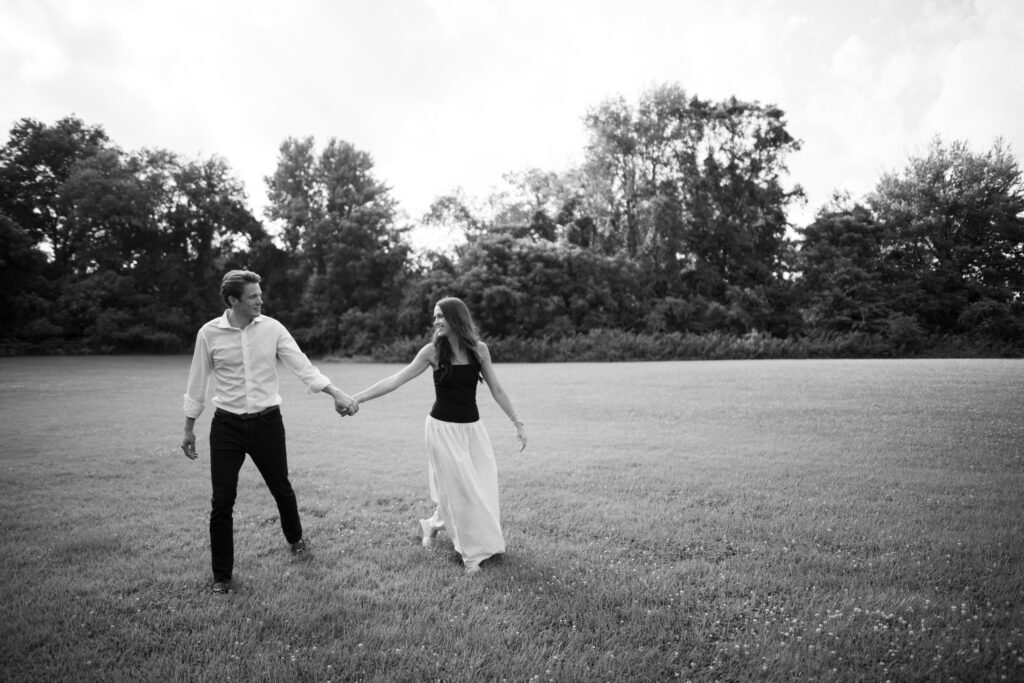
(440, 324)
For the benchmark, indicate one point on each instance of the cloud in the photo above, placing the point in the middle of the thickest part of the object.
(924, 69)
(982, 94)
(447, 93)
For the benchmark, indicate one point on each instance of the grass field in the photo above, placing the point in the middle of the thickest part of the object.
(754, 520)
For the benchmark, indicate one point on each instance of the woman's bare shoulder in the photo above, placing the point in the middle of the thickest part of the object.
(427, 353)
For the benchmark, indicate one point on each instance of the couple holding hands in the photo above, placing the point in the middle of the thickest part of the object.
(240, 351)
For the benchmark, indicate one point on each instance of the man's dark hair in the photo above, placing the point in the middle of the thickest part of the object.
(235, 281)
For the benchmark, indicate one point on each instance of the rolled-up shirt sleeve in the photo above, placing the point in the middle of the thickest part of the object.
(198, 378)
(295, 360)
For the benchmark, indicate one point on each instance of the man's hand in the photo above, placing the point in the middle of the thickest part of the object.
(343, 403)
(188, 446)
(346, 405)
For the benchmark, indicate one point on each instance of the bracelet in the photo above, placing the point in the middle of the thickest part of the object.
(518, 423)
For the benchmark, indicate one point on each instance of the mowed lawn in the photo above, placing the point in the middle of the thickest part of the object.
(750, 520)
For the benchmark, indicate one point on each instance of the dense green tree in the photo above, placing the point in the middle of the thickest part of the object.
(675, 224)
(533, 288)
(956, 220)
(110, 210)
(339, 222)
(152, 232)
(36, 160)
(204, 218)
(131, 241)
(737, 209)
(577, 227)
(295, 191)
(691, 189)
(846, 283)
(26, 295)
(436, 277)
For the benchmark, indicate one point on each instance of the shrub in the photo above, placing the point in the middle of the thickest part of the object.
(618, 345)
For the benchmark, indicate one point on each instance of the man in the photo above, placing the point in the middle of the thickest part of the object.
(240, 351)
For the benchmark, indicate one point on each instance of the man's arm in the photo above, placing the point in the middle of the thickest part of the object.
(195, 393)
(295, 360)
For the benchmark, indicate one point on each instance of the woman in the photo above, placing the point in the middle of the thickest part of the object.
(463, 474)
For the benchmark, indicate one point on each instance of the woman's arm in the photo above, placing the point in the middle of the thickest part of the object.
(500, 397)
(423, 360)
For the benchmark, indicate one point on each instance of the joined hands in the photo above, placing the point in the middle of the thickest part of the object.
(346, 407)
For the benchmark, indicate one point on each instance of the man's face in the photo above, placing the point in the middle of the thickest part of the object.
(251, 302)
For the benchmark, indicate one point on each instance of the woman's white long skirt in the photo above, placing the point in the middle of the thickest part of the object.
(464, 484)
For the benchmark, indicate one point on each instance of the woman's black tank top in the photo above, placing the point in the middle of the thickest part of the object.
(455, 394)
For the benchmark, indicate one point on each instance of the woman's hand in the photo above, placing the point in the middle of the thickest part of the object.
(521, 436)
(345, 406)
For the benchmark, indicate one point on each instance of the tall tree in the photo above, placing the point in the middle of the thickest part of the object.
(738, 204)
(615, 181)
(36, 160)
(340, 222)
(957, 224)
(151, 232)
(295, 191)
(205, 221)
(532, 288)
(692, 188)
(846, 282)
(25, 294)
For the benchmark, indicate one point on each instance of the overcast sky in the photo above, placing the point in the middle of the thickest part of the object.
(455, 93)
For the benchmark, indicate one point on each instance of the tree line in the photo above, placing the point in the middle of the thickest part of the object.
(670, 239)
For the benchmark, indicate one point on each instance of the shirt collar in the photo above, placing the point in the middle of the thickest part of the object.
(225, 323)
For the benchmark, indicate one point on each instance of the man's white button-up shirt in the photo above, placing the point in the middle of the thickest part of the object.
(244, 366)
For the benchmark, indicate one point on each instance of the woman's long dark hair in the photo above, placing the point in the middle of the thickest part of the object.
(460, 324)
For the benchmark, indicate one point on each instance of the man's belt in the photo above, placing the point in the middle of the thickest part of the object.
(246, 416)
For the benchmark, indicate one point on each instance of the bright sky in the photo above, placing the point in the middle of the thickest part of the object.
(455, 93)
